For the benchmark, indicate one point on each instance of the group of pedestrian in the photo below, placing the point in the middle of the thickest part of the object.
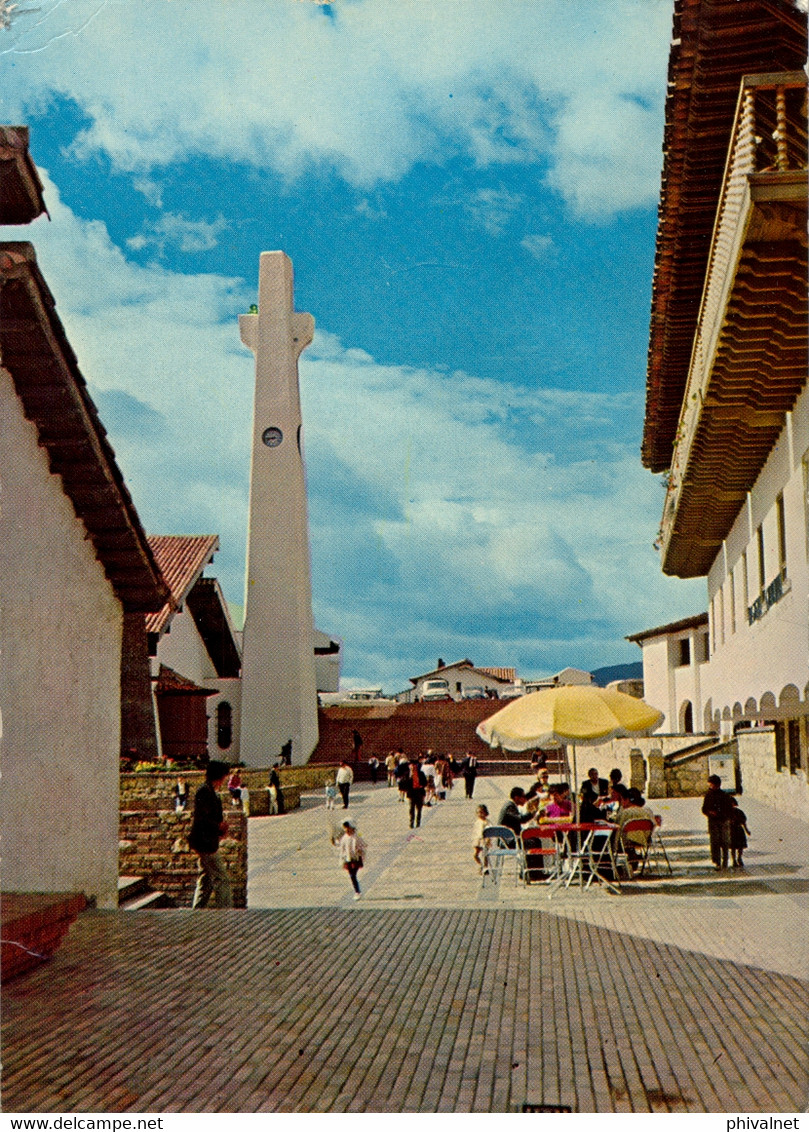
(727, 826)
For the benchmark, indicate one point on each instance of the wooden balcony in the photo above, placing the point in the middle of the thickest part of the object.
(749, 355)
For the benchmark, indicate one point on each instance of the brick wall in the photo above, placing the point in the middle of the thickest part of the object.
(153, 844)
(447, 728)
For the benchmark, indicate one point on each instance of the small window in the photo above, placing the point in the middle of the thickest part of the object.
(782, 535)
(761, 574)
(224, 725)
(688, 719)
(685, 651)
(732, 603)
(745, 586)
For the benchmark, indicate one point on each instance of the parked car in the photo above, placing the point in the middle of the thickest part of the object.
(511, 691)
(474, 694)
(432, 690)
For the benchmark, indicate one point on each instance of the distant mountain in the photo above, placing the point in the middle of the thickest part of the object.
(605, 676)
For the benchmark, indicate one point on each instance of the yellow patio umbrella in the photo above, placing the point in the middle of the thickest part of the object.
(568, 713)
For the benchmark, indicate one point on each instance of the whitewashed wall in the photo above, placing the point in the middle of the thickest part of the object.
(773, 652)
(60, 642)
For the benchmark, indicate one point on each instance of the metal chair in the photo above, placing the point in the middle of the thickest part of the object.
(504, 845)
(640, 851)
(540, 853)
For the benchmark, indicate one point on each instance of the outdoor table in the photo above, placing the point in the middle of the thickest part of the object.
(586, 852)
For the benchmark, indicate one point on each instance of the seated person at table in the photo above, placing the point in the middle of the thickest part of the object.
(517, 812)
(594, 790)
(560, 806)
(633, 808)
(541, 788)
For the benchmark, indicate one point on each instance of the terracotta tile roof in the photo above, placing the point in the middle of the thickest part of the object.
(21, 199)
(507, 674)
(169, 683)
(181, 559)
(53, 393)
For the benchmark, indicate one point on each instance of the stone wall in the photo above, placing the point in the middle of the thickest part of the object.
(155, 791)
(786, 792)
(153, 844)
(687, 779)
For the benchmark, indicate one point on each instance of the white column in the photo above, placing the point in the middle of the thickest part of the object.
(279, 692)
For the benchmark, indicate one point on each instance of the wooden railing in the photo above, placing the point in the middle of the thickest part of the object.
(768, 144)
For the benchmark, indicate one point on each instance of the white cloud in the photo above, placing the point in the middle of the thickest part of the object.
(493, 208)
(380, 86)
(448, 513)
(184, 234)
(538, 246)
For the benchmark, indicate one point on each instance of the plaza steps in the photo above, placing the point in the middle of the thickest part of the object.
(135, 895)
(33, 926)
(447, 728)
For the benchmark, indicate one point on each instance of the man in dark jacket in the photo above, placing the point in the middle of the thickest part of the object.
(510, 815)
(717, 807)
(470, 773)
(593, 791)
(207, 827)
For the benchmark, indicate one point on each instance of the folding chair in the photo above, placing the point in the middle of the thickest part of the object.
(602, 860)
(541, 853)
(505, 845)
(657, 848)
(636, 825)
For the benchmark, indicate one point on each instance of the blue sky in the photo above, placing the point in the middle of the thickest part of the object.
(468, 194)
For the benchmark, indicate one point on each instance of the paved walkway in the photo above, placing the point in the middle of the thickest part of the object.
(436, 992)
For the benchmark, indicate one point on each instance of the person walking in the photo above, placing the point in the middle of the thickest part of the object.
(345, 776)
(276, 793)
(416, 789)
(390, 767)
(373, 766)
(470, 773)
(352, 854)
(402, 774)
(207, 827)
(717, 807)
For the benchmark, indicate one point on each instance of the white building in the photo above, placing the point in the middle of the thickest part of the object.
(565, 676)
(727, 413)
(462, 676)
(674, 666)
(194, 637)
(74, 563)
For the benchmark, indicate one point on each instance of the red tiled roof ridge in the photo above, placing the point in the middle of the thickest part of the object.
(168, 681)
(505, 674)
(182, 559)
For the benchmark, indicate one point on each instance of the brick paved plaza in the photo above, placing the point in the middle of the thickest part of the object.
(437, 991)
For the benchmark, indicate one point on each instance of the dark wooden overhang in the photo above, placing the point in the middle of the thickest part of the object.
(696, 622)
(21, 199)
(749, 362)
(206, 603)
(34, 349)
(715, 43)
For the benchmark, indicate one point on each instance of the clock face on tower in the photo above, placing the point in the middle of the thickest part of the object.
(272, 436)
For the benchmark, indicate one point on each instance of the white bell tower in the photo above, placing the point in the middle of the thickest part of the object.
(279, 691)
